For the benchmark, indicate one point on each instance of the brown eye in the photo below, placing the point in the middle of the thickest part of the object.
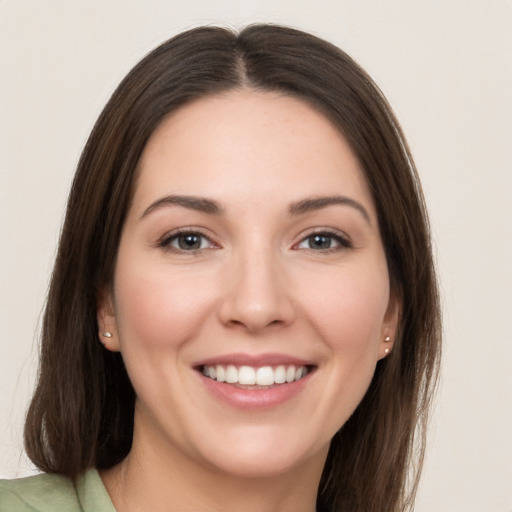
(187, 241)
(320, 242)
(323, 242)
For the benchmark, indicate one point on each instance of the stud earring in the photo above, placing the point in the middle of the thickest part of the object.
(387, 339)
(106, 334)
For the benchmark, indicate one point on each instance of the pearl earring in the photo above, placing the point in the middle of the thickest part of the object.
(387, 339)
(107, 334)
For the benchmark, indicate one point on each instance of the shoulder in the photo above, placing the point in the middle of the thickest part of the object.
(49, 493)
(38, 493)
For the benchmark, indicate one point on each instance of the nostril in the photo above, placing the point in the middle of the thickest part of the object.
(256, 300)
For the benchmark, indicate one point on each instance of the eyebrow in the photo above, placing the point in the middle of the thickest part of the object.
(212, 207)
(317, 203)
(200, 204)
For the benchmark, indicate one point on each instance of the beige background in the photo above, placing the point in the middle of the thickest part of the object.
(446, 67)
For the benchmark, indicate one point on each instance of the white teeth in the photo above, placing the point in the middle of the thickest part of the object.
(246, 376)
(290, 373)
(280, 375)
(221, 373)
(250, 376)
(265, 376)
(231, 374)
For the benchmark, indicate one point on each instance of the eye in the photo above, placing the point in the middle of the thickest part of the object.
(188, 241)
(323, 241)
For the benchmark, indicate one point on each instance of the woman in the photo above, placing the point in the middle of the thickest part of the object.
(247, 239)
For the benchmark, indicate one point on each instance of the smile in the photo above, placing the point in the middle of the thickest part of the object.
(255, 381)
(255, 377)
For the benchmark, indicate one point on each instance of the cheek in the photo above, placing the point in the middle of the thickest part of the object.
(158, 307)
(348, 308)
(343, 310)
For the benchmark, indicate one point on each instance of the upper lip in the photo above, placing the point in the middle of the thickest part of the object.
(254, 360)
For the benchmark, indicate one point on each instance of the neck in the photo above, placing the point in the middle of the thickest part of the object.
(152, 478)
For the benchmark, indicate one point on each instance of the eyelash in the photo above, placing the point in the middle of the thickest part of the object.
(342, 241)
(166, 241)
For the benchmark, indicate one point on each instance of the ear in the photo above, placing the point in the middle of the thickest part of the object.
(390, 324)
(107, 325)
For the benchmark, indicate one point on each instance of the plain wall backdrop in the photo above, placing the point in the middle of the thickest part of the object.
(445, 66)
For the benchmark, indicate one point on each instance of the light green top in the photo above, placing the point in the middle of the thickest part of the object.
(55, 493)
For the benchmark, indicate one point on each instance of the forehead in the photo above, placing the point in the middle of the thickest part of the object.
(249, 146)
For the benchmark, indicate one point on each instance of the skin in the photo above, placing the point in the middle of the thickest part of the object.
(257, 284)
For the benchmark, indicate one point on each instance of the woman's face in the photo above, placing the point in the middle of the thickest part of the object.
(251, 296)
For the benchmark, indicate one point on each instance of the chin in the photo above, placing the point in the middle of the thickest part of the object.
(265, 454)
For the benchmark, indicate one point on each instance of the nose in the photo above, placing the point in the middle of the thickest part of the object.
(257, 293)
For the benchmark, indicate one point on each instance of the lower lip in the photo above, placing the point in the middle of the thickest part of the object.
(242, 398)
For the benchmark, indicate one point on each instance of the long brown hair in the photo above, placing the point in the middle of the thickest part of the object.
(81, 414)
